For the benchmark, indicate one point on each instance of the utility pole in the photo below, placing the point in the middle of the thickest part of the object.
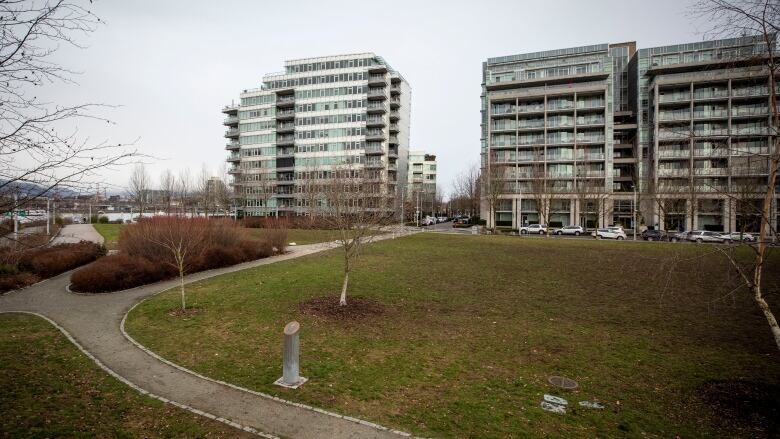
(16, 220)
(90, 213)
(634, 213)
(48, 217)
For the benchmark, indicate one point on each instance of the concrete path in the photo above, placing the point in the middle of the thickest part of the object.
(78, 232)
(95, 322)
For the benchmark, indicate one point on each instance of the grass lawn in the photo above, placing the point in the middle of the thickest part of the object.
(110, 233)
(474, 326)
(50, 389)
(302, 236)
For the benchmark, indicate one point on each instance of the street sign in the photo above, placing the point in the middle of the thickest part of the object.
(21, 213)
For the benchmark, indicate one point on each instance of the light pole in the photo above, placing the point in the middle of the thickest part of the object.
(48, 217)
(633, 221)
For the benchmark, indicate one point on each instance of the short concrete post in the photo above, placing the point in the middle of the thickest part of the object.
(290, 366)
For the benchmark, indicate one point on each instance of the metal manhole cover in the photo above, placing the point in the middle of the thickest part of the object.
(562, 382)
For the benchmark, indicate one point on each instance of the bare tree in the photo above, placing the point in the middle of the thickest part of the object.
(542, 190)
(182, 237)
(167, 189)
(493, 190)
(36, 154)
(204, 189)
(467, 186)
(184, 189)
(358, 212)
(761, 18)
(139, 187)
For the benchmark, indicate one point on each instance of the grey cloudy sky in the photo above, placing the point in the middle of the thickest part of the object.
(172, 65)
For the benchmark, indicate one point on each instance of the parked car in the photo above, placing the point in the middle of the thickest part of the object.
(705, 236)
(736, 237)
(654, 235)
(441, 219)
(570, 230)
(678, 236)
(428, 221)
(539, 229)
(610, 233)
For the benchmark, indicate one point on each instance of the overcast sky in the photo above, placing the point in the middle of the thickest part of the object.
(171, 66)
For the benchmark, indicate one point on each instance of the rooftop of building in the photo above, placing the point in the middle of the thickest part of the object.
(580, 50)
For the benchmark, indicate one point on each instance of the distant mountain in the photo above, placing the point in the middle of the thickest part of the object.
(24, 188)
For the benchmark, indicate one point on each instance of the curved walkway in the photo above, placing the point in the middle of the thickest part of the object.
(94, 322)
(78, 232)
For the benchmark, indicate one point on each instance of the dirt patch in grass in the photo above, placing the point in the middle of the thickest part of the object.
(747, 406)
(357, 308)
(178, 312)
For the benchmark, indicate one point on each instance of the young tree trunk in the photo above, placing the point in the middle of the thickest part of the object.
(770, 317)
(343, 299)
(181, 287)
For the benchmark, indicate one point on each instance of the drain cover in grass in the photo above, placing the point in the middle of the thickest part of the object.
(562, 382)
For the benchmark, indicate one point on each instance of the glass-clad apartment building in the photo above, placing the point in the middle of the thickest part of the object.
(319, 114)
(421, 183)
(679, 135)
(559, 125)
(705, 124)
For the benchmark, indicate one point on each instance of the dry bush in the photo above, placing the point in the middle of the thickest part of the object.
(219, 256)
(118, 272)
(277, 238)
(18, 280)
(285, 222)
(46, 262)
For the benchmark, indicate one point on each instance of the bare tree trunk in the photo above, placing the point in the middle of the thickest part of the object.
(343, 299)
(770, 317)
(181, 288)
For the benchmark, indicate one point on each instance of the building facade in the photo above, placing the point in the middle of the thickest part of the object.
(677, 137)
(319, 115)
(421, 183)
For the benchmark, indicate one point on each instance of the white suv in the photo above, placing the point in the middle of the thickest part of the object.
(610, 233)
(540, 229)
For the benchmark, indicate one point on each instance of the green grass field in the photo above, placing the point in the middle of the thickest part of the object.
(50, 389)
(474, 326)
(110, 233)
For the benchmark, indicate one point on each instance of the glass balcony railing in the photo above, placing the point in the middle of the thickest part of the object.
(674, 97)
(673, 153)
(710, 113)
(749, 111)
(673, 172)
(749, 91)
(591, 156)
(711, 94)
(590, 103)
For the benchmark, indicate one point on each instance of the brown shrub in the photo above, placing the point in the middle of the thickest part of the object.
(18, 280)
(148, 238)
(46, 262)
(219, 256)
(277, 238)
(118, 272)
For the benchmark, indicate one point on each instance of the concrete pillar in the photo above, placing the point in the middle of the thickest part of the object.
(689, 221)
(515, 202)
(290, 366)
(572, 211)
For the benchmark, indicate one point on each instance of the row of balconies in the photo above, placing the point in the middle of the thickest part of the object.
(721, 152)
(682, 134)
(553, 157)
(552, 105)
(718, 94)
(713, 171)
(713, 114)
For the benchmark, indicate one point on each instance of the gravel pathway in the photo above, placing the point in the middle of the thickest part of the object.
(94, 322)
(73, 233)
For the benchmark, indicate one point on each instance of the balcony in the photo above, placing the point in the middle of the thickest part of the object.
(560, 105)
(231, 133)
(376, 135)
(392, 152)
(710, 171)
(285, 127)
(749, 131)
(375, 121)
(230, 109)
(703, 95)
(745, 92)
(230, 120)
(592, 173)
(374, 149)
(395, 103)
(587, 104)
(285, 114)
(532, 108)
(674, 116)
(673, 172)
(232, 145)
(285, 140)
(758, 169)
(710, 152)
(395, 89)
(590, 139)
(713, 114)
(674, 153)
(376, 107)
(498, 110)
(394, 116)
(582, 121)
(234, 170)
(392, 167)
(377, 80)
(376, 93)
(393, 127)
(374, 164)
(285, 101)
(234, 158)
(711, 132)
(393, 140)
(674, 97)
(591, 157)
(749, 112)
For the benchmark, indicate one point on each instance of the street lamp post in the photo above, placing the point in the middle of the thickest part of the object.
(634, 212)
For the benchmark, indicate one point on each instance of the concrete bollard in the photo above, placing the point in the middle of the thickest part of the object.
(290, 366)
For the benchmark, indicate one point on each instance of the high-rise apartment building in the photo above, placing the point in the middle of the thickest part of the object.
(421, 185)
(318, 115)
(679, 135)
